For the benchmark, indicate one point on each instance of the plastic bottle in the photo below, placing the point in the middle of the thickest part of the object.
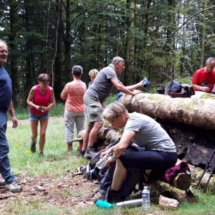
(146, 198)
(130, 203)
(103, 204)
(101, 163)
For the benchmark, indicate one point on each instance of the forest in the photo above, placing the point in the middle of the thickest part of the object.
(159, 39)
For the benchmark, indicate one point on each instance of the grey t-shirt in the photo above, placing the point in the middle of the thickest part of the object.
(102, 85)
(149, 133)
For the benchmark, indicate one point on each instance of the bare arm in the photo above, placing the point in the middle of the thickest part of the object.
(123, 144)
(201, 88)
(63, 94)
(52, 101)
(135, 86)
(13, 115)
(120, 147)
(120, 87)
(30, 98)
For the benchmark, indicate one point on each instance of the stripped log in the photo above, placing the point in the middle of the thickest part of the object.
(198, 112)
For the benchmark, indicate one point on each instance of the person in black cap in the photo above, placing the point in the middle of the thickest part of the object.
(73, 93)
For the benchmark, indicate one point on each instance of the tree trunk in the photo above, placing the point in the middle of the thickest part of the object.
(129, 69)
(198, 112)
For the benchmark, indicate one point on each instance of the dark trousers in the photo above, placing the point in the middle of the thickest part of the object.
(156, 161)
(5, 169)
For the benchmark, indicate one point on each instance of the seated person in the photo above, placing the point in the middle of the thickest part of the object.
(204, 78)
(158, 156)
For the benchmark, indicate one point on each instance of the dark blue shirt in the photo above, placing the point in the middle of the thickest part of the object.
(5, 90)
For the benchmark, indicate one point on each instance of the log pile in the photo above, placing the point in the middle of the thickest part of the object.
(190, 122)
(198, 112)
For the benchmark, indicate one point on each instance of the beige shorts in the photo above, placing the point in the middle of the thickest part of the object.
(93, 109)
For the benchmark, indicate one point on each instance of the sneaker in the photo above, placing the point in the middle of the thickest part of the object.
(13, 187)
(33, 146)
(90, 151)
(41, 154)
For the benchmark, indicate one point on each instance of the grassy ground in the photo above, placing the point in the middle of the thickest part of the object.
(56, 165)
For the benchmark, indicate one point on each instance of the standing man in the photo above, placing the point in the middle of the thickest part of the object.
(94, 97)
(204, 78)
(6, 105)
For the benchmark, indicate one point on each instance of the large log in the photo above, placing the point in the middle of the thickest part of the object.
(198, 112)
(190, 122)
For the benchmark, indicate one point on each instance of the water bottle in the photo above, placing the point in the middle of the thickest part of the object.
(146, 198)
(130, 203)
(103, 204)
(101, 163)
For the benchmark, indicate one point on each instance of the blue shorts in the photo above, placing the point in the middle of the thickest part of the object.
(38, 117)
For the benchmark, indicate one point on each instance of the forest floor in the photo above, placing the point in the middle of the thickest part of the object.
(67, 191)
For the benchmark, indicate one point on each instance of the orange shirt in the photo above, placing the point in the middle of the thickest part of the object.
(73, 92)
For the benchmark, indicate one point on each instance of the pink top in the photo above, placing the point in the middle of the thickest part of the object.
(73, 93)
(40, 100)
(201, 76)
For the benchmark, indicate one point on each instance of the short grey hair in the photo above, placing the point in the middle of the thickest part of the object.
(114, 110)
(3, 42)
(77, 70)
(117, 59)
(210, 59)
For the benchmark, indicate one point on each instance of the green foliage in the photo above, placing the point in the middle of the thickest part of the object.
(158, 40)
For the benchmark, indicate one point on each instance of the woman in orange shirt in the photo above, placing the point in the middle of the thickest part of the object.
(73, 93)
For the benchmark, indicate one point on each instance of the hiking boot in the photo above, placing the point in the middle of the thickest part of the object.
(41, 154)
(13, 187)
(182, 181)
(90, 151)
(82, 153)
(113, 196)
(33, 146)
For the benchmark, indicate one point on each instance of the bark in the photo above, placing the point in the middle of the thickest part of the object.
(163, 187)
(198, 112)
(207, 182)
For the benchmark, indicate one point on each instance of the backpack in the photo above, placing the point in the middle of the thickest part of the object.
(175, 87)
(178, 176)
(105, 175)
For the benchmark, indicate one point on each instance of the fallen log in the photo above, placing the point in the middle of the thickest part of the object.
(198, 112)
(163, 187)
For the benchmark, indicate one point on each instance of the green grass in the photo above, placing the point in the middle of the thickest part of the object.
(57, 163)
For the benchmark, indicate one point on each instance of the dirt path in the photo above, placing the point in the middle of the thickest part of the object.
(66, 191)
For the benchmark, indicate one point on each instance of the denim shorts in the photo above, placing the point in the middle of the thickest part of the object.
(38, 117)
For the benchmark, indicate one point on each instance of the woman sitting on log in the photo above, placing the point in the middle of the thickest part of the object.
(159, 153)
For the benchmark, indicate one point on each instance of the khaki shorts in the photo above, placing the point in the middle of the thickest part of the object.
(93, 109)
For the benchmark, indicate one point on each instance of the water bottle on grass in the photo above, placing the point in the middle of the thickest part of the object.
(146, 198)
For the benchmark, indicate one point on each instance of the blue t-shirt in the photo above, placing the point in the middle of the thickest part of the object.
(5, 90)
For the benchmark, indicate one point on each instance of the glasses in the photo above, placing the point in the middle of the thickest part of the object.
(3, 51)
